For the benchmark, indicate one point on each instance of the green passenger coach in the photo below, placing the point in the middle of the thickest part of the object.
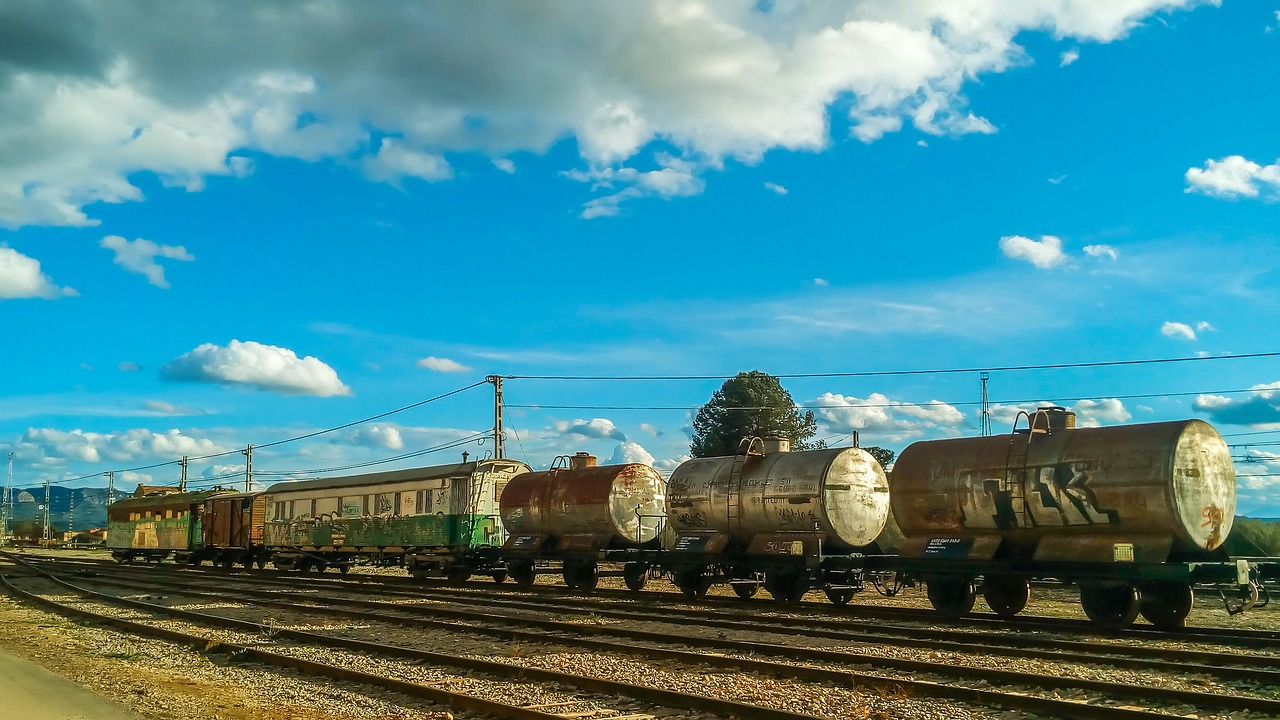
(439, 521)
(155, 523)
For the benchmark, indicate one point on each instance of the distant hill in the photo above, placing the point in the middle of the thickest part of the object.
(70, 508)
(1254, 537)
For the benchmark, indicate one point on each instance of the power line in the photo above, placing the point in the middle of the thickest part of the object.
(937, 403)
(882, 373)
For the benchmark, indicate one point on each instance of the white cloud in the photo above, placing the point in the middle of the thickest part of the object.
(1204, 326)
(395, 161)
(775, 188)
(1057, 179)
(880, 416)
(630, 452)
(1102, 251)
(128, 366)
(379, 436)
(160, 407)
(252, 364)
(652, 430)
(96, 93)
(125, 446)
(820, 282)
(667, 465)
(505, 165)
(1261, 409)
(444, 365)
(1069, 57)
(1089, 413)
(600, 428)
(1234, 177)
(1178, 330)
(20, 277)
(139, 256)
(1043, 253)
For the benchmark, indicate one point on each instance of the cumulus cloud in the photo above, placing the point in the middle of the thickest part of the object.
(1183, 331)
(599, 428)
(879, 415)
(1089, 413)
(1043, 253)
(139, 256)
(20, 277)
(442, 365)
(1178, 330)
(667, 465)
(126, 446)
(252, 364)
(378, 436)
(630, 452)
(96, 93)
(505, 165)
(1259, 409)
(652, 430)
(128, 366)
(1102, 251)
(1069, 57)
(775, 188)
(1234, 177)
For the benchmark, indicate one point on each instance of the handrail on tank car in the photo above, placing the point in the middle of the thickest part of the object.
(662, 519)
(1031, 421)
(747, 444)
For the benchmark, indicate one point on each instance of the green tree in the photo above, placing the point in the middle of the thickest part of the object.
(750, 404)
(882, 455)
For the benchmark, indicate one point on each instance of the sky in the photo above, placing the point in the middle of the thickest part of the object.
(226, 224)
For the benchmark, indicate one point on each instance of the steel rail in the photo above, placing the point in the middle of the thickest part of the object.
(993, 677)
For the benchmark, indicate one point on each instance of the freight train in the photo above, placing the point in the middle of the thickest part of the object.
(1133, 515)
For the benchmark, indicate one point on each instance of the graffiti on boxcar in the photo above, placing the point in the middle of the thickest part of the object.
(1051, 495)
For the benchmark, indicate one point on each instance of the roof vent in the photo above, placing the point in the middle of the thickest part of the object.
(581, 461)
(774, 444)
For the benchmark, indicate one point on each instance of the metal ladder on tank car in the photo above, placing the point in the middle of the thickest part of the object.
(733, 487)
(1015, 469)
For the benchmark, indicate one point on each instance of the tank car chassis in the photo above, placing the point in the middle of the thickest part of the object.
(1112, 595)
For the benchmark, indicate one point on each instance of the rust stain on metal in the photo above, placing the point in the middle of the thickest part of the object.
(1213, 517)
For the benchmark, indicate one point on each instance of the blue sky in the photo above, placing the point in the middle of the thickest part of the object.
(222, 226)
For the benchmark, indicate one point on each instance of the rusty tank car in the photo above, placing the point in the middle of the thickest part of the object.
(790, 521)
(575, 513)
(1133, 514)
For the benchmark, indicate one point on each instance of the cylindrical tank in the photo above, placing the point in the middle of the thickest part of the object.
(1169, 479)
(840, 493)
(623, 503)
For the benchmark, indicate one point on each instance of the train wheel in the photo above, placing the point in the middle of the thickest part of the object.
(458, 574)
(1006, 595)
(1110, 606)
(522, 573)
(786, 587)
(1166, 604)
(952, 596)
(344, 568)
(693, 582)
(839, 597)
(588, 576)
(745, 591)
(635, 575)
(260, 562)
(498, 576)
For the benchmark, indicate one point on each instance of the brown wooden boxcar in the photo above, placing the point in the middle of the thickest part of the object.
(233, 530)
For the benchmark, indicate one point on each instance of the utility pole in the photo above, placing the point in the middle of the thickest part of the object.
(986, 407)
(71, 511)
(46, 512)
(111, 486)
(182, 484)
(248, 468)
(499, 435)
(8, 499)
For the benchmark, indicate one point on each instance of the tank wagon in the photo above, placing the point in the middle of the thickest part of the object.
(578, 514)
(157, 522)
(440, 521)
(1135, 515)
(768, 517)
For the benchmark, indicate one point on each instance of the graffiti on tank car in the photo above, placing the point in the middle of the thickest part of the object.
(792, 519)
(678, 487)
(1213, 519)
(692, 519)
(1047, 496)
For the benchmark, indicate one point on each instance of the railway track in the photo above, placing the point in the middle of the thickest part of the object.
(1243, 638)
(952, 682)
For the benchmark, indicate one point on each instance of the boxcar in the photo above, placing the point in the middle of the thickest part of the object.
(155, 526)
(439, 521)
(233, 529)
